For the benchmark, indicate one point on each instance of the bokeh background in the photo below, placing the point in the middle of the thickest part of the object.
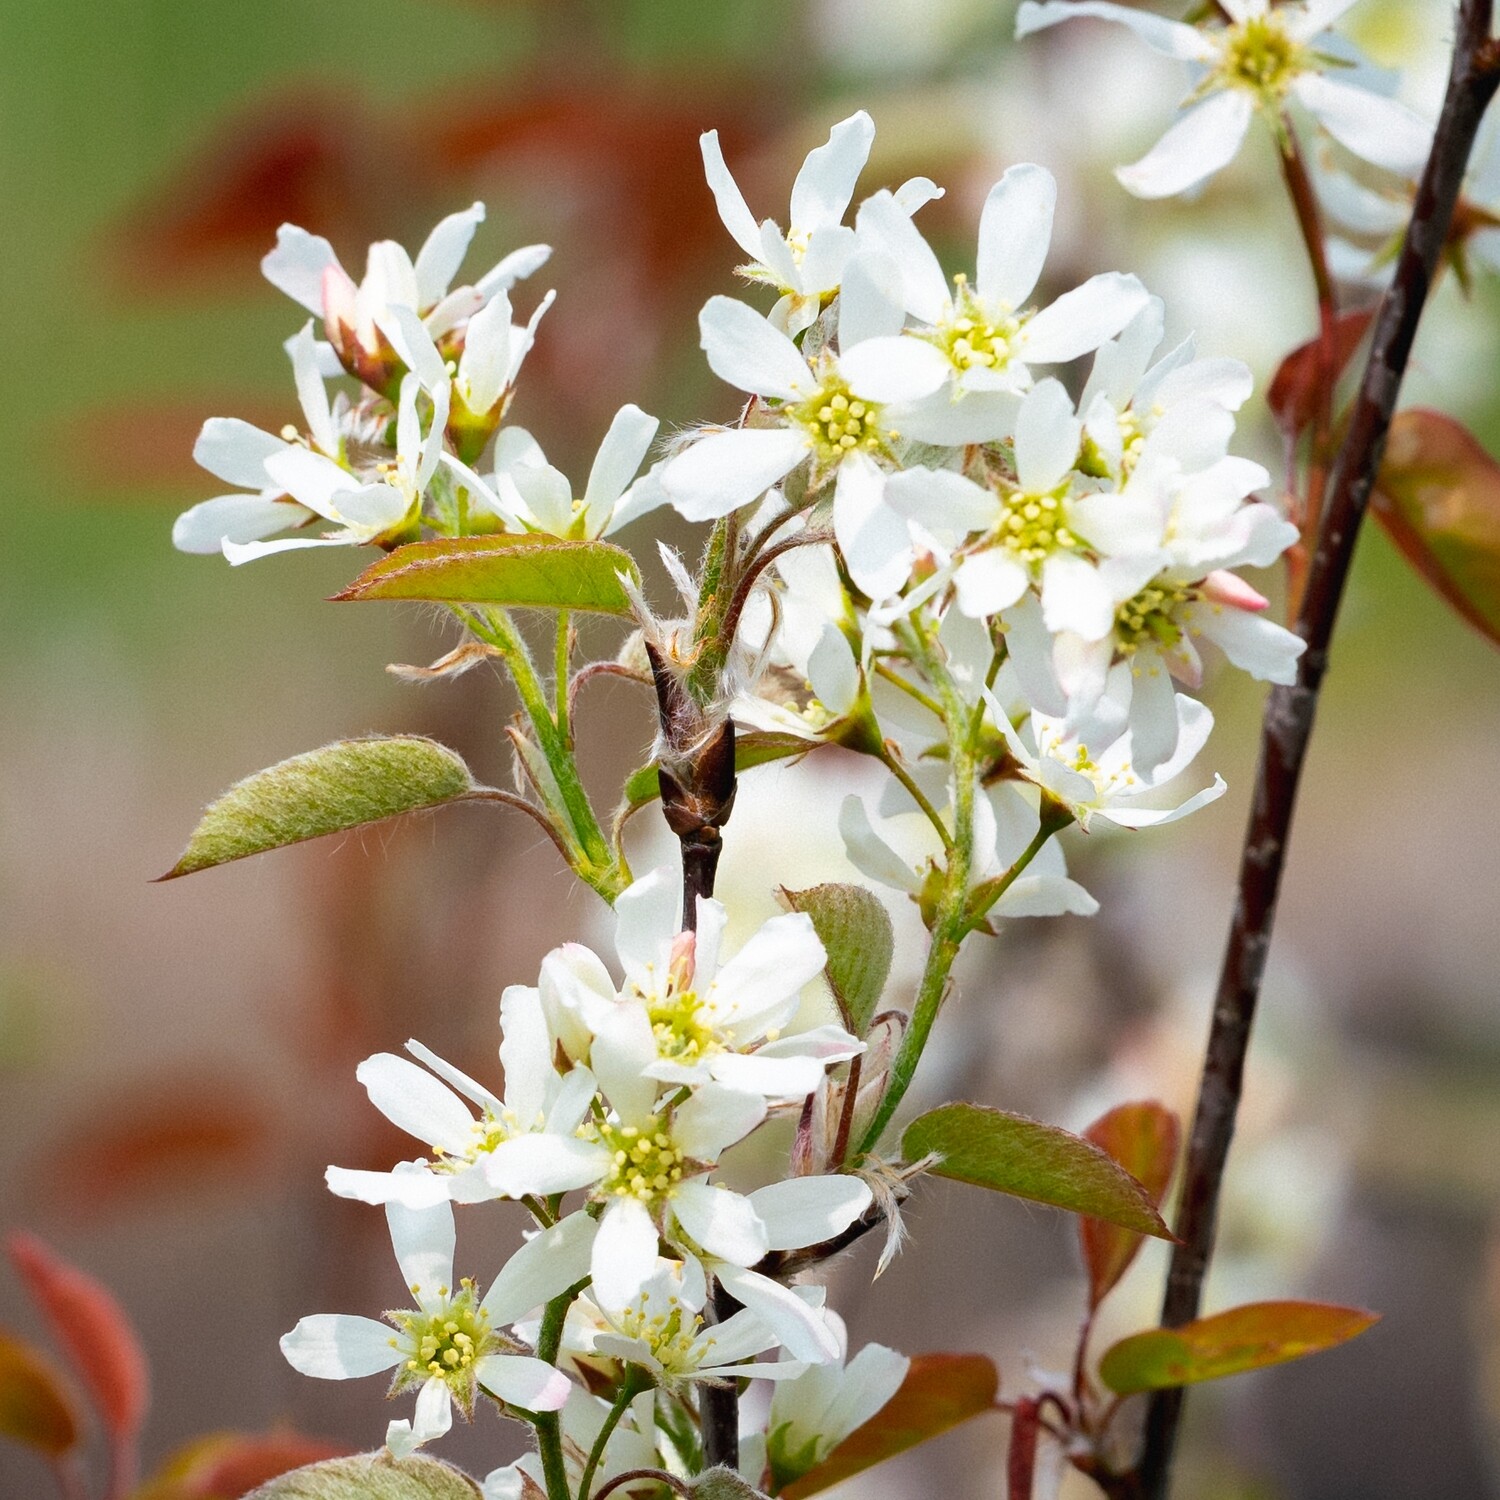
(176, 1062)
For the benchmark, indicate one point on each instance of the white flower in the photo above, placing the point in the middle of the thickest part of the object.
(450, 1345)
(661, 1330)
(811, 1415)
(1005, 823)
(305, 267)
(632, 1445)
(1262, 58)
(1028, 534)
(982, 337)
(817, 412)
(1103, 782)
(806, 264)
(529, 494)
(525, 1143)
(237, 451)
(361, 510)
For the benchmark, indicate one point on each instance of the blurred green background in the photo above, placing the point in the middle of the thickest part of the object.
(176, 1063)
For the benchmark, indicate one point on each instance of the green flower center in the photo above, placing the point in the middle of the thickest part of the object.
(1260, 55)
(1035, 526)
(1148, 618)
(672, 1334)
(839, 423)
(646, 1165)
(489, 1131)
(971, 338)
(445, 1341)
(682, 1025)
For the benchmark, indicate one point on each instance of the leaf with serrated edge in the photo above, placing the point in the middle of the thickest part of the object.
(856, 933)
(34, 1408)
(1228, 1343)
(345, 785)
(1027, 1159)
(518, 572)
(371, 1476)
(1143, 1138)
(940, 1391)
(99, 1340)
(1438, 498)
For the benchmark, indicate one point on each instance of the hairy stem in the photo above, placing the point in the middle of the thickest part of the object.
(548, 1424)
(629, 1390)
(1290, 711)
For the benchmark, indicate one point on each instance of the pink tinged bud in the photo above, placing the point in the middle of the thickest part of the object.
(1223, 587)
(684, 959)
(338, 308)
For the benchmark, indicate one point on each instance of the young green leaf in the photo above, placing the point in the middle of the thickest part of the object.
(371, 1476)
(99, 1340)
(514, 571)
(940, 1391)
(1142, 1138)
(856, 932)
(34, 1407)
(1228, 1343)
(1012, 1154)
(1438, 497)
(342, 786)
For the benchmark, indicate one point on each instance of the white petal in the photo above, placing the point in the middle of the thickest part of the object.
(808, 1210)
(870, 307)
(823, 264)
(516, 266)
(423, 1239)
(978, 417)
(546, 1265)
(455, 1078)
(733, 209)
(1118, 523)
(869, 853)
(873, 539)
(419, 1189)
(410, 339)
(621, 453)
(1015, 232)
(1171, 38)
(988, 582)
(297, 264)
(544, 1163)
(722, 1222)
(310, 478)
(941, 502)
(484, 365)
(647, 918)
(1032, 657)
(832, 671)
(332, 1346)
(238, 553)
(520, 1380)
(713, 1119)
(433, 1415)
(1048, 434)
(412, 1099)
(895, 368)
(725, 470)
(624, 1255)
(235, 451)
(1046, 896)
(1080, 320)
(744, 349)
(1120, 364)
(1382, 131)
(768, 973)
(825, 184)
(884, 225)
(443, 253)
(312, 394)
(235, 519)
(1142, 817)
(804, 1330)
(766, 1077)
(1154, 718)
(1254, 644)
(1075, 599)
(624, 1048)
(1202, 142)
(869, 1381)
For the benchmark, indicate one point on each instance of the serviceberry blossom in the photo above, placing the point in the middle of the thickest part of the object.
(806, 263)
(450, 1346)
(1263, 58)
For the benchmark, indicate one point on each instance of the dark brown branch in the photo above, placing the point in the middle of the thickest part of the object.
(1290, 711)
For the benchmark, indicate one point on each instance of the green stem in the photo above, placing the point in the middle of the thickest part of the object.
(596, 866)
(892, 763)
(629, 1390)
(893, 677)
(562, 666)
(548, 1424)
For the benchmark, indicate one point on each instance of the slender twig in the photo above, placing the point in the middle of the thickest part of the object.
(630, 1476)
(1290, 711)
(630, 1388)
(891, 760)
(601, 669)
(509, 799)
(548, 1424)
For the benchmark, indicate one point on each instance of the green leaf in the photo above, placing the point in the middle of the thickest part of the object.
(371, 1476)
(1143, 1138)
(722, 1484)
(757, 748)
(1438, 497)
(515, 571)
(342, 786)
(1027, 1159)
(939, 1392)
(856, 931)
(34, 1407)
(1229, 1343)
